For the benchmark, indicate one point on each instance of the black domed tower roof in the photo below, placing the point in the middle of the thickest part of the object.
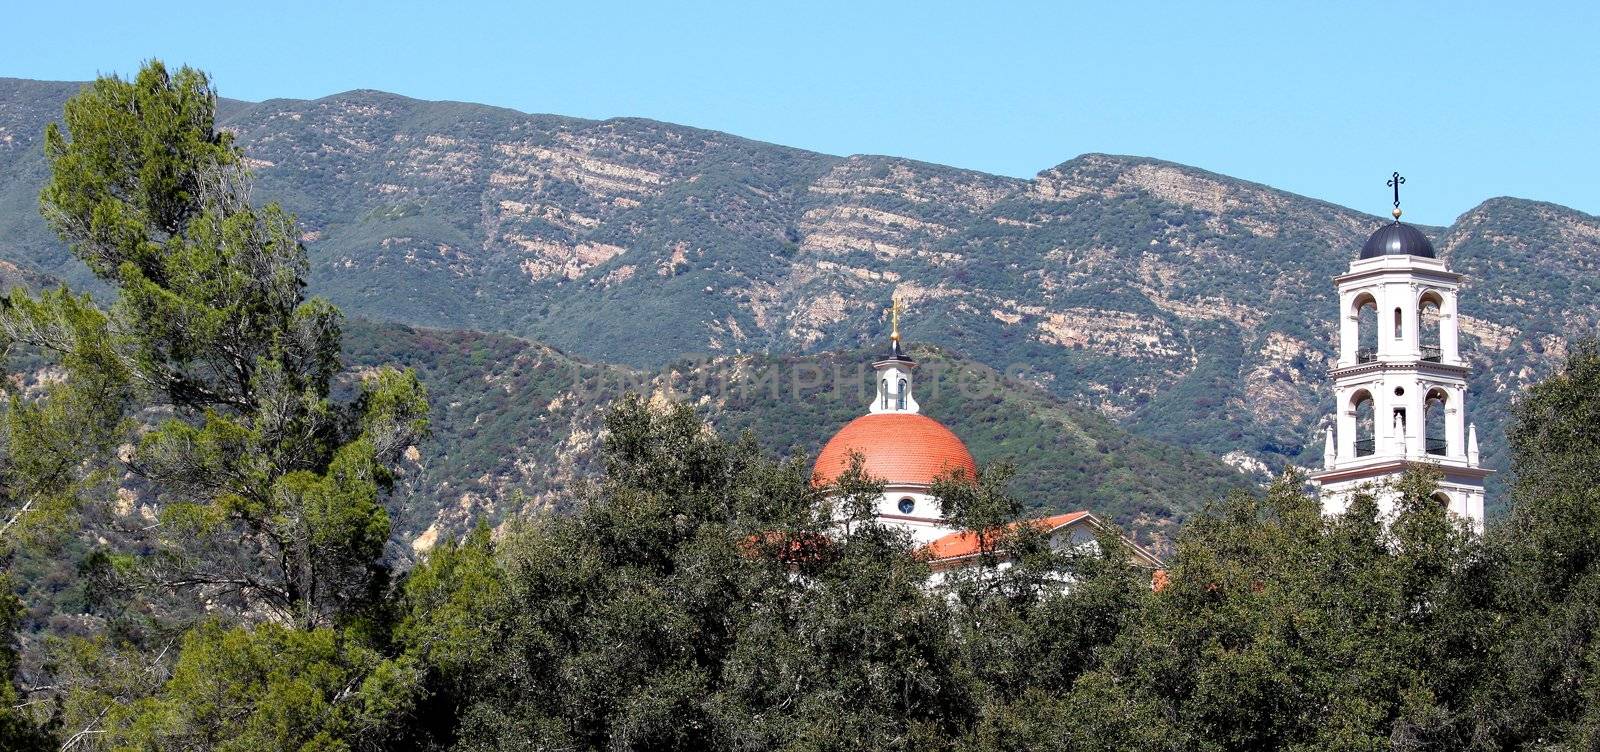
(1397, 239)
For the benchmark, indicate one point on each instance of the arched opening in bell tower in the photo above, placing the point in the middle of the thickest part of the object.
(1366, 438)
(1366, 312)
(1428, 323)
(1434, 407)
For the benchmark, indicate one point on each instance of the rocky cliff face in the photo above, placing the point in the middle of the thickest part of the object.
(1188, 306)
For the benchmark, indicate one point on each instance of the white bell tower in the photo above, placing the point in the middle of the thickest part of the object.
(1400, 385)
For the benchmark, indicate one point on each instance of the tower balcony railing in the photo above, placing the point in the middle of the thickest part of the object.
(1435, 447)
(1430, 353)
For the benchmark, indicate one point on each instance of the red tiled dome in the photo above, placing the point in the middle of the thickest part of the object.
(897, 448)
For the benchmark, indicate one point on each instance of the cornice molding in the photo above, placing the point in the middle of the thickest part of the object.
(1417, 366)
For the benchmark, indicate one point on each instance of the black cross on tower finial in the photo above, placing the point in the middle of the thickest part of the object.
(1395, 183)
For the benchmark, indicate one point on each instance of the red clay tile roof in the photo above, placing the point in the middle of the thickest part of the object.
(896, 448)
(965, 543)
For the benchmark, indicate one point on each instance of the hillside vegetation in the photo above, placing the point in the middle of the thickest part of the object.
(516, 423)
(215, 486)
(1190, 307)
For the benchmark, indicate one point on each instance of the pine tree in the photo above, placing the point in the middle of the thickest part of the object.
(20, 730)
(208, 383)
(269, 488)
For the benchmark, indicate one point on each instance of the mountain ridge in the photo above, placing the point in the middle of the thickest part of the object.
(1188, 306)
(230, 108)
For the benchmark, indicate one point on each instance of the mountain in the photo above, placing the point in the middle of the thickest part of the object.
(1189, 308)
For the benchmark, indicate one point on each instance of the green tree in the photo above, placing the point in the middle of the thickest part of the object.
(1547, 687)
(55, 447)
(270, 489)
(700, 596)
(1282, 629)
(616, 617)
(849, 648)
(19, 729)
(210, 383)
(56, 444)
(451, 624)
(270, 688)
(1031, 617)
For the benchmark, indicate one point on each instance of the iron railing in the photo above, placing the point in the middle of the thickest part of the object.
(1369, 447)
(1430, 353)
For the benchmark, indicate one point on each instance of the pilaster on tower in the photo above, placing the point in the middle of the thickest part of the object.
(1400, 384)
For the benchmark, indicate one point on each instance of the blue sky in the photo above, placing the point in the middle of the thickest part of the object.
(1468, 100)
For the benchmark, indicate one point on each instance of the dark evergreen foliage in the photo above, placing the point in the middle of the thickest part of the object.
(701, 594)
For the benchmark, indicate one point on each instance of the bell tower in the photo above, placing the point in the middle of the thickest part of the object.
(1399, 382)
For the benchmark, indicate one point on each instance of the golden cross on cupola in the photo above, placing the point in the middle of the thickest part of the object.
(894, 318)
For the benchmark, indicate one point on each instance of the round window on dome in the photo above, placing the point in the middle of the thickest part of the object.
(907, 505)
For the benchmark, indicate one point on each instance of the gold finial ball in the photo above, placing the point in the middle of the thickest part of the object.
(1396, 212)
(895, 336)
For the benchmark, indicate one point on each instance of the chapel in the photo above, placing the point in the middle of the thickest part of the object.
(907, 451)
(1399, 381)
